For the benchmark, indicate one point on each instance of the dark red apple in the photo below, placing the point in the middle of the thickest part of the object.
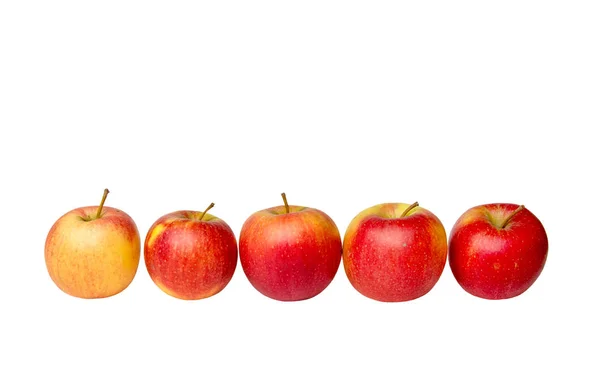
(497, 251)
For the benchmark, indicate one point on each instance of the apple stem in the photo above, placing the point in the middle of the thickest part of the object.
(287, 207)
(106, 191)
(412, 206)
(507, 220)
(210, 206)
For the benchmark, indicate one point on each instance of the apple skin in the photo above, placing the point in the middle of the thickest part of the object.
(390, 258)
(493, 262)
(93, 258)
(290, 256)
(189, 258)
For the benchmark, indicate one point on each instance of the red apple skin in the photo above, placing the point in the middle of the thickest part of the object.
(493, 262)
(390, 258)
(90, 257)
(290, 256)
(189, 258)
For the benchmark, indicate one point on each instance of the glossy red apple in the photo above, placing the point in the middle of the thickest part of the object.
(290, 253)
(190, 254)
(497, 251)
(394, 252)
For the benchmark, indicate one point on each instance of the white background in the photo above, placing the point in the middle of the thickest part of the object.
(342, 105)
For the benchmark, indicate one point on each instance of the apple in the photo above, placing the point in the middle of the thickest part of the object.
(394, 252)
(93, 252)
(290, 253)
(497, 251)
(190, 255)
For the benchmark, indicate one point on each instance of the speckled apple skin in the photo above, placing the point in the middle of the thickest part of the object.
(497, 263)
(189, 255)
(290, 256)
(93, 258)
(391, 258)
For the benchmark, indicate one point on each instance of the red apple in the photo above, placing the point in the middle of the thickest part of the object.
(394, 252)
(190, 254)
(93, 252)
(290, 253)
(497, 251)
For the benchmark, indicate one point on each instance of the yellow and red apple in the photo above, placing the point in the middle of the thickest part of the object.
(394, 252)
(93, 252)
(497, 251)
(190, 254)
(290, 253)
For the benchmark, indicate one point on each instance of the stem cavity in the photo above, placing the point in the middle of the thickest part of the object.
(409, 208)
(507, 220)
(210, 206)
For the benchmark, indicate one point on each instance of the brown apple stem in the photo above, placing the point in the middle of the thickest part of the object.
(210, 206)
(412, 206)
(287, 207)
(106, 191)
(507, 220)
